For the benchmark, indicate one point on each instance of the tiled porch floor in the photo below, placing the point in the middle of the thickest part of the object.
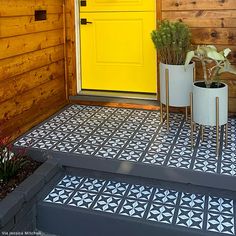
(132, 135)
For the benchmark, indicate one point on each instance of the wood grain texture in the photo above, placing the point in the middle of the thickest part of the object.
(215, 36)
(30, 80)
(18, 45)
(22, 63)
(29, 99)
(181, 5)
(203, 18)
(28, 119)
(71, 47)
(31, 64)
(9, 26)
(27, 7)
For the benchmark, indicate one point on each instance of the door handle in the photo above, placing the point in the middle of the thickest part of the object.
(83, 21)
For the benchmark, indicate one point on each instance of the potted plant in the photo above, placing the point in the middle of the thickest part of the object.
(172, 42)
(206, 92)
(15, 166)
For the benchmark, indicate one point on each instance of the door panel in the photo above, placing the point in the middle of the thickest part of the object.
(117, 52)
(118, 5)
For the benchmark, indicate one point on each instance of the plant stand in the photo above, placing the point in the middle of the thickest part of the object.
(167, 100)
(202, 127)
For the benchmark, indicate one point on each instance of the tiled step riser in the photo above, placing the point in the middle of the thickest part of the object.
(69, 221)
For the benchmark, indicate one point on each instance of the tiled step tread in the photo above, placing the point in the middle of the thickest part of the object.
(195, 212)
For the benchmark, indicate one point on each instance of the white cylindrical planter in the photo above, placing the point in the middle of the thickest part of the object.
(180, 84)
(204, 104)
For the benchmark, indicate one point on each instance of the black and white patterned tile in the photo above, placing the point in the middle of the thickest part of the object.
(71, 182)
(75, 138)
(165, 196)
(82, 199)
(190, 218)
(26, 141)
(196, 211)
(154, 158)
(205, 166)
(133, 208)
(220, 205)
(143, 136)
(130, 155)
(220, 223)
(195, 201)
(57, 135)
(38, 133)
(140, 192)
(135, 136)
(64, 147)
(182, 150)
(137, 145)
(179, 162)
(161, 213)
(107, 152)
(95, 140)
(107, 204)
(228, 168)
(221, 215)
(44, 144)
(116, 188)
(92, 185)
(58, 195)
(116, 142)
(86, 149)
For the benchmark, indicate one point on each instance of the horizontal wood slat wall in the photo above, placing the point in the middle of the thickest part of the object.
(211, 22)
(31, 64)
(32, 53)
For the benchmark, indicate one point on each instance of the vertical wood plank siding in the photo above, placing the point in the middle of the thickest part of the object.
(31, 64)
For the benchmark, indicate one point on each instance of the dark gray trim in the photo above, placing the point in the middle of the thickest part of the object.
(138, 169)
(67, 221)
(92, 98)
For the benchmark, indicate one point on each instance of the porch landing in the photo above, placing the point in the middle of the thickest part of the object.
(134, 142)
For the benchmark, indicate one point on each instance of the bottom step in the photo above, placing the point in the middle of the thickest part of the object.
(92, 204)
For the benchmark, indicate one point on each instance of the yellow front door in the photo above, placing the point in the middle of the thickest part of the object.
(117, 53)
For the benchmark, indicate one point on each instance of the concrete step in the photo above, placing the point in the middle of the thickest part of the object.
(92, 203)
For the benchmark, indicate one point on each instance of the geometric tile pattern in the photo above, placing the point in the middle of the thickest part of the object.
(152, 203)
(133, 135)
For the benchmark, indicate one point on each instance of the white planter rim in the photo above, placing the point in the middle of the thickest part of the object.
(196, 83)
(190, 64)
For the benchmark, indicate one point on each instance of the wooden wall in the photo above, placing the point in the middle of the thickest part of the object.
(211, 22)
(31, 64)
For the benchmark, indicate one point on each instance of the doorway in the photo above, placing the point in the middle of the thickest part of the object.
(117, 53)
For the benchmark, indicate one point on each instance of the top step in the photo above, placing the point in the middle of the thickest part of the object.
(134, 142)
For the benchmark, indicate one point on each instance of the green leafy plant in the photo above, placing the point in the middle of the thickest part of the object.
(10, 162)
(214, 63)
(172, 41)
